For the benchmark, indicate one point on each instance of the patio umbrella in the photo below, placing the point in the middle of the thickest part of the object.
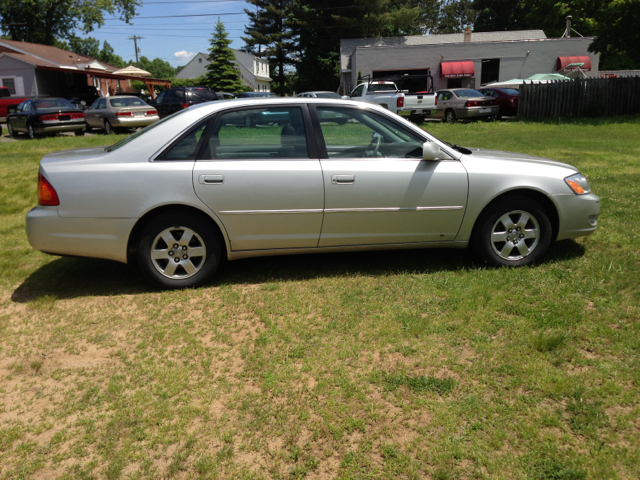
(548, 77)
(133, 71)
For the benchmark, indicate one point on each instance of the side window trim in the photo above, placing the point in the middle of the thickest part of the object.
(159, 157)
(306, 118)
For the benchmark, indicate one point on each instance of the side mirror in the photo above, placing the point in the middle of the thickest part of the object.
(11, 110)
(346, 97)
(430, 151)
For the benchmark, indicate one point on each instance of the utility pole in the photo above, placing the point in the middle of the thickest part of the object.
(135, 44)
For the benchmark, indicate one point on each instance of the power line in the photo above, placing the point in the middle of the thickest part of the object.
(135, 44)
(179, 16)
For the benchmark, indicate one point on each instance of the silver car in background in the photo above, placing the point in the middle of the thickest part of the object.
(464, 103)
(120, 112)
(195, 187)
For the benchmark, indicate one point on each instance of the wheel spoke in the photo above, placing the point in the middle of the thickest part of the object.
(197, 251)
(523, 249)
(168, 238)
(499, 237)
(170, 270)
(160, 255)
(523, 220)
(507, 222)
(188, 267)
(506, 250)
(187, 235)
(528, 234)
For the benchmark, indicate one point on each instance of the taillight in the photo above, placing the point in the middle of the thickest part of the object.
(471, 103)
(185, 105)
(47, 118)
(76, 116)
(47, 195)
(400, 102)
(124, 114)
(152, 112)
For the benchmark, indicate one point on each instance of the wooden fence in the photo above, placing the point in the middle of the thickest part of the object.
(582, 97)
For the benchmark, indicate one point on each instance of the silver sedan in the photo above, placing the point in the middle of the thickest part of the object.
(465, 103)
(195, 187)
(120, 112)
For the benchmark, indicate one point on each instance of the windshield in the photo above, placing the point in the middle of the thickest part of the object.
(510, 91)
(127, 102)
(328, 95)
(52, 104)
(467, 93)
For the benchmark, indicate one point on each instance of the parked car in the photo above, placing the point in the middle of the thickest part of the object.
(171, 100)
(390, 97)
(120, 112)
(507, 99)
(464, 103)
(46, 115)
(142, 96)
(225, 95)
(256, 95)
(8, 100)
(324, 117)
(181, 194)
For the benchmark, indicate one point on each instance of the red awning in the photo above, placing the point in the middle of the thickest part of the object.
(457, 69)
(564, 61)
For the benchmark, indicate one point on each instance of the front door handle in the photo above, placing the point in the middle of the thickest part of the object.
(211, 179)
(343, 179)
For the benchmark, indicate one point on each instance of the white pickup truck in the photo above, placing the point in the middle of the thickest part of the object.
(387, 95)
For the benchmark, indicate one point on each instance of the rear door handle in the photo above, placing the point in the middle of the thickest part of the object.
(211, 179)
(343, 179)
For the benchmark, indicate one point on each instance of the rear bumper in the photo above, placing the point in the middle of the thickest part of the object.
(64, 127)
(478, 112)
(133, 122)
(84, 237)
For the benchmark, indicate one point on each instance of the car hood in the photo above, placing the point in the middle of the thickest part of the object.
(484, 153)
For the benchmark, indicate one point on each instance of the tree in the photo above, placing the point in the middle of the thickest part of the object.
(618, 38)
(84, 46)
(47, 20)
(271, 26)
(157, 67)
(222, 75)
(108, 55)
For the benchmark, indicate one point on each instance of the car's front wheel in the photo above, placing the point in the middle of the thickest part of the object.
(179, 250)
(12, 132)
(450, 116)
(108, 129)
(513, 232)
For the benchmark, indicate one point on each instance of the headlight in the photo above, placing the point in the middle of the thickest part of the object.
(578, 184)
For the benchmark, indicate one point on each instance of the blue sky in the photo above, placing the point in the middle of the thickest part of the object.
(175, 39)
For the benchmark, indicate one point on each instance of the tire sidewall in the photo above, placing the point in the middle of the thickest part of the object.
(107, 127)
(199, 224)
(481, 238)
(10, 130)
(450, 116)
(30, 132)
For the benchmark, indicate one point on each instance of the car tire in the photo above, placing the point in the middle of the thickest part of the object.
(79, 133)
(450, 116)
(12, 133)
(108, 129)
(493, 238)
(193, 237)
(31, 133)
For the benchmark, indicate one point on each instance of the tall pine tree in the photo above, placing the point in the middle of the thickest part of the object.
(270, 34)
(222, 75)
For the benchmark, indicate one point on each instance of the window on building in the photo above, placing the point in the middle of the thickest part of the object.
(10, 83)
(200, 60)
(490, 70)
(454, 83)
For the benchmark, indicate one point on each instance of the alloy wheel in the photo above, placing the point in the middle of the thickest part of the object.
(515, 235)
(178, 253)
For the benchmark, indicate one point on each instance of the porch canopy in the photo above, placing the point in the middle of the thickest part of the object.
(457, 69)
(564, 62)
(148, 82)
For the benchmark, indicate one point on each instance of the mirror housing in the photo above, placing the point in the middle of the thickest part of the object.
(430, 151)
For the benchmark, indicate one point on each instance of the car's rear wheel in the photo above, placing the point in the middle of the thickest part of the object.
(31, 133)
(513, 232)
(179, 250)
(108, 129)
(450, 116)
(12, 133)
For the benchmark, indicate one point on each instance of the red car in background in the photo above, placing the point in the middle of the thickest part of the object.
(6, 101)
(507, 100)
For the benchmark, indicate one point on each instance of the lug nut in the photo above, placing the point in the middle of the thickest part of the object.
(185, 256)
(177, 260)
(175, 245)
(508, 238)
(171, 253)
(184, 247)
(521, 236)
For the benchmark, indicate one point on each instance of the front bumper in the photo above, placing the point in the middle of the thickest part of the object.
(133, 122)
(83, 237)
(578, 214)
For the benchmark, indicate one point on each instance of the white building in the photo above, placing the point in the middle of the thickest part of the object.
(254, 71)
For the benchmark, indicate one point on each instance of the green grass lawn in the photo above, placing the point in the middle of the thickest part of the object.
(409, 364)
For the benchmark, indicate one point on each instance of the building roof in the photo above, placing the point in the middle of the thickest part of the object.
(53, 56)
(30, 59)
(349, 45)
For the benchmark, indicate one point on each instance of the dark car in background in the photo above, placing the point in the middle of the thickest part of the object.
(256, 95)
(507, 99)
(46, 115)
(81, 96)
(171, 100)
